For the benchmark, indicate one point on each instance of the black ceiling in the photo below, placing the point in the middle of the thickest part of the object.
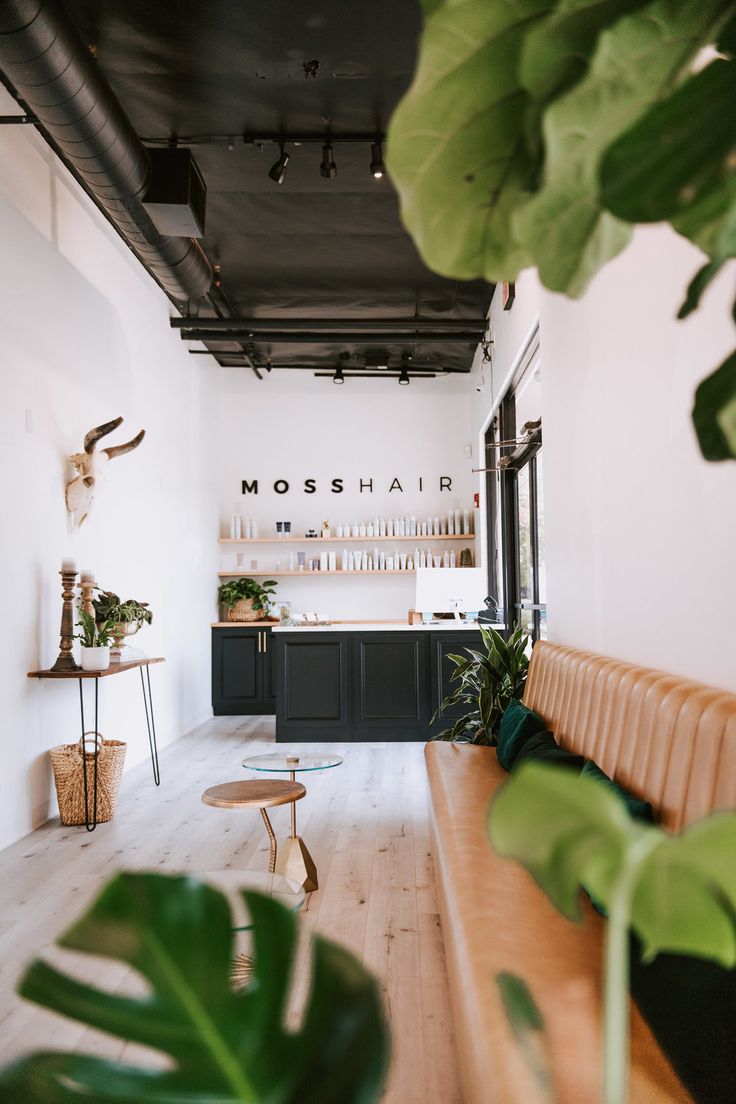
(311, 247)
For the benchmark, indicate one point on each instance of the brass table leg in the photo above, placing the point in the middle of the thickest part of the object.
(272, 843)
(294, 860)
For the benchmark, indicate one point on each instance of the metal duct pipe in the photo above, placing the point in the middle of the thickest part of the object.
(55, 75)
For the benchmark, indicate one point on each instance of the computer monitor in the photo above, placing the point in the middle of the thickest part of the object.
(450, 590)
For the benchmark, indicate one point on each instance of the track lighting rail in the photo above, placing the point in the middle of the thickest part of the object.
(339, 337)
(253, 325)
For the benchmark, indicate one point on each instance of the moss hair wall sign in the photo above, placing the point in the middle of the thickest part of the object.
(363, 484)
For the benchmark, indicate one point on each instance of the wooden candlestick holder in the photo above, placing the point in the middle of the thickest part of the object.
(65, 660)
(87, 588)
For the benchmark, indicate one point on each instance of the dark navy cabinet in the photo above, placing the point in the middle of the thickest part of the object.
(374, 686)
(312, 677)
(243, 674)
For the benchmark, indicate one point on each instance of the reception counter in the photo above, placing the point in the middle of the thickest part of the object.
(364, 681)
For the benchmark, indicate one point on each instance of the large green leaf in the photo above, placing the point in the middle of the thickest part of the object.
(225, 1045)
(677, 163)
(557, 50)
(714, 412)
(456, 144)
(571, 832)
(636, 62)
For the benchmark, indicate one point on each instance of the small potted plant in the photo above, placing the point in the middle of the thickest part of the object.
(246, 600)
(124, 618)
(95, 638)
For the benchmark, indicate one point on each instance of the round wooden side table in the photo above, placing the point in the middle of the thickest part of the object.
(259, 794)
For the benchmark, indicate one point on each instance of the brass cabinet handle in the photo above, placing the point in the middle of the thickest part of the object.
(259, 641)
(265, 641)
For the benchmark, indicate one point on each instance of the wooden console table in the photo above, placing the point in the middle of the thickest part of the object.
(113, 669)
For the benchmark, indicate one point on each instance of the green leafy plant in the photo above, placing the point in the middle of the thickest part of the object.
(539, 132)
(93, 634)
(261, 593)
(486, 683)
(678, 892)
(109, 607)
(224, 1045)
(527, 1026)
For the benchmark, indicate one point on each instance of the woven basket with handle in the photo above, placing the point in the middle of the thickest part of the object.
(66, 760)
(243, 611)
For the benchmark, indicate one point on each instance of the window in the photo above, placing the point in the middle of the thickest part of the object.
(515, 503)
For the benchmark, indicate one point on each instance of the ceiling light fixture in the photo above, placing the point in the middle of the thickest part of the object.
(404, 376)
(338, 376)
(378, 169)
(328, 168)
(277, 172)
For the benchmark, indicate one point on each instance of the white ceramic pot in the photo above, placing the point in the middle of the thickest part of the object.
(96, 659)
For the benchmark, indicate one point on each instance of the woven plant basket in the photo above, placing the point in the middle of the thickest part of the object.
(243, 611)
(66, 760)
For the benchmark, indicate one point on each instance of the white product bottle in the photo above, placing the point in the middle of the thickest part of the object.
(466, 522)
(446, 559)
(253, 528)
(458, 522)
(362, 532)
(453, 559)
(390, 563)
(234, 527)
(412, 526)
(451, 524)
(333, 561)
(369, 530)
(382, 528)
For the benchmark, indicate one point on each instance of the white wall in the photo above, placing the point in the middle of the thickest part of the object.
(292, 426)
(85, 338)
(640, 530)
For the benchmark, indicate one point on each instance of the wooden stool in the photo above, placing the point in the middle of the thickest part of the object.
(258, 794)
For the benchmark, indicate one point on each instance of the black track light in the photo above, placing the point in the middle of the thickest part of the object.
(378, 169)
(328, 168)
(404, 376)
(338, 376)
(277, 172)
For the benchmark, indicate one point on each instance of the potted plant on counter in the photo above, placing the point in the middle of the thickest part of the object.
(95, 638)
(245, 599)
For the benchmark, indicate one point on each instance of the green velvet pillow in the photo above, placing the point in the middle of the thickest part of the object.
(690, 1005)
(518, 724)
(543, 748)
(637, 809)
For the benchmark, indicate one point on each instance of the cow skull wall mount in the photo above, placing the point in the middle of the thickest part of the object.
(91, 469)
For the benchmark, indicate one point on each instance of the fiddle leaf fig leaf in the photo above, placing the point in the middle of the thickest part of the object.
(557, 50)
(457, 154)
(572, 832)
(224, 1045)
(637, 61)
(714, 412)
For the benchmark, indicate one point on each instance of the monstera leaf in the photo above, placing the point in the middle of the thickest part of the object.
(637, 60)
(677, 892)
(224, 1045)
(714, 412)
(456, 147)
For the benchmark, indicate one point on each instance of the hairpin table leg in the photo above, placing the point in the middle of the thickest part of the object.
(90, 823)
(150, 724)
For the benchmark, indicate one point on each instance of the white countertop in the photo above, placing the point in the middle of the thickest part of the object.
(373, 626)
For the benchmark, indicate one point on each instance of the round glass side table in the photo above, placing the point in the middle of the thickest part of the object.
(231, 883)
(293, 859)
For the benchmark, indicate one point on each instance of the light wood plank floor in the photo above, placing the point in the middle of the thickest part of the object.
(366, 826)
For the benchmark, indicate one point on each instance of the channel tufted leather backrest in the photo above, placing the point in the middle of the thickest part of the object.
(668, 740)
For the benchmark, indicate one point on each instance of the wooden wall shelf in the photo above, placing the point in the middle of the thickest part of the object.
(341, 540)
(244, 573)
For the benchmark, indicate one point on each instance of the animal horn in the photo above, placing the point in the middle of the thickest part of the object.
(119, 450)
(100, 431)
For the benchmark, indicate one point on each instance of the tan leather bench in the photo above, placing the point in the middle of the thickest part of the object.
(669, 740)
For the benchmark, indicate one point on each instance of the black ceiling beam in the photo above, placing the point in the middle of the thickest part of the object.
(252, 325)
(260, 138)
(293, 337)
